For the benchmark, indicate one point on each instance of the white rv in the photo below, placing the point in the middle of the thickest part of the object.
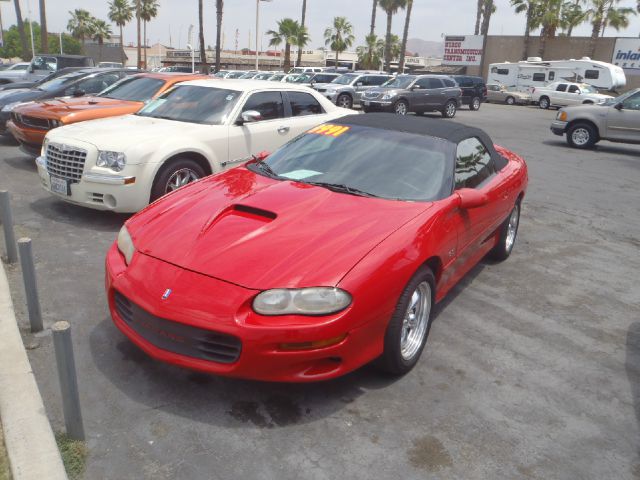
(535, 73)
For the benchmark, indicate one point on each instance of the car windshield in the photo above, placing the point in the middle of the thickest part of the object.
(136, 89)
(304, 78)
(346, 79)
(61, 81)
(620, 98)
(276, 78)
(366, 161)
(193, 104)
(235, 74)
(399, 82)
(588, 89)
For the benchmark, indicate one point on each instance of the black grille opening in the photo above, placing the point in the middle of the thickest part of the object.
(176, 337)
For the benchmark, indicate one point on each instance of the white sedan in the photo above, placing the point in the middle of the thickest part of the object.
(197, 128)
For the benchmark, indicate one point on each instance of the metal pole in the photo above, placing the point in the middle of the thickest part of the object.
(33, 49)
(257, 29)
(7, 224)
(30, 284)
(61, 52)
(68, 380)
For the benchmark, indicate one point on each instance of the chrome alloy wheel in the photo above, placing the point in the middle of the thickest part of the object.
(580, 136)
(416, 321)
(476, 104)
(344, 101)
(451, 110)
(512, 228)
(401, 108)
(180, 178)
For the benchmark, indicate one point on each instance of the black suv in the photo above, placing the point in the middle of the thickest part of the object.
(474, 90)
(414, 93)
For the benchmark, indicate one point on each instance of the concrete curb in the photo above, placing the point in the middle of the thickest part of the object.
(28, 436)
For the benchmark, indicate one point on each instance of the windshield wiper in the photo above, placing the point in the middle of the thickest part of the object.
(265, 168)
(342, 188)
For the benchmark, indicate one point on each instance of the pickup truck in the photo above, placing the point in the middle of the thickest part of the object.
(564, 94)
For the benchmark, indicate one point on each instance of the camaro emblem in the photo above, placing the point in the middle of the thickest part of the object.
(166, 294)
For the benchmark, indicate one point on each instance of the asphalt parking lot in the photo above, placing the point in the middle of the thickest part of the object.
(532, 369)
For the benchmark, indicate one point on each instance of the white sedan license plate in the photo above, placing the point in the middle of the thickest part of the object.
(59, 185)
(366, 104)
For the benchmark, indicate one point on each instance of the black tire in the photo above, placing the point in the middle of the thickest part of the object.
(401, 107)
(510, 100)
(475, 104)
(505, 244)
(392, 359)
(587, 102)
(449, 110)
(161, 183)
(544, 103)
(582, 135)
(344, 100)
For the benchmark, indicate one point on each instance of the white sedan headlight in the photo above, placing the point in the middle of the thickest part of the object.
(113, 160)
(303, 301)
(45, 144)
(125, 244)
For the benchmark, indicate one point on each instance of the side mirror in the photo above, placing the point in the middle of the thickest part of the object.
(30, 69)
(261, 156)
(415, 87)
(79, 93)
(619, 106)
(250, 116)
(471, 198)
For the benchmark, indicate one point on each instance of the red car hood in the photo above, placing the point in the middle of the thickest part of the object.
(261, 233)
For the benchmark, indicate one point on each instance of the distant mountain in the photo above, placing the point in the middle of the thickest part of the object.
(425, 48)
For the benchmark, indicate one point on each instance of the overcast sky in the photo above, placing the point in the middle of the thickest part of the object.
(430, 18)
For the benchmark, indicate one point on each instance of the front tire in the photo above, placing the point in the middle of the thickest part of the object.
(510, 101)
(401, 107)
(544, 103)
(174, 175)
(344, 100)
(507, 235)
(410, 323)
(582, 135)
(450, 109)
(475, 104)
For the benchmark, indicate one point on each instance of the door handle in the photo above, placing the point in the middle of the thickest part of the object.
(283, 129)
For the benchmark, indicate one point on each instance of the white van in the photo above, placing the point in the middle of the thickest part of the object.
(537, 73)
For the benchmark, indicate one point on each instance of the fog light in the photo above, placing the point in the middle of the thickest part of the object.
(313, 345)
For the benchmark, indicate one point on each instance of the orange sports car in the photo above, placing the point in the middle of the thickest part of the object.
(30, 122)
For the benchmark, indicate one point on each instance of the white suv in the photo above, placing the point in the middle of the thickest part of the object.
(195, 129)
(563, 94)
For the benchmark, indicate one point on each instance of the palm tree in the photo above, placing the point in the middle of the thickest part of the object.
(219, 6)
(488, 9)
(572, 15)
(44, 36)
(304, 14)
(23, 35)
(120, 13)
(80, 25)
(617, 18)
(370, 55)
(148, 11)
(390, 7)
(528, 7)
(339, 36)
(203, 52)
(479, 6)
(403, 48)
(550, 19)
(101, 30)
(373, 17)
(138, 8)
(289, 32)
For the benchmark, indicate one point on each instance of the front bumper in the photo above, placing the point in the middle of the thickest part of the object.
(558, 127)
(29, 137)
(198, 303)
(101, 189)
(377, 105)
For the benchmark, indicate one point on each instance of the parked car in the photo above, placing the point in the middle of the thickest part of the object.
(235, 74)
(562, 94)
(178, 69)
(618, 120)
(31, 121)
(500, 94)
(42, 65)
(347, 89)
(307, 70)
(308, 263)
(311, 79)
(414, 93)
(249, 75)
(474, 90)
(194, 129)
(74, 84)
(263, 76)
(14, 66)
(110, 65)
(34, 83)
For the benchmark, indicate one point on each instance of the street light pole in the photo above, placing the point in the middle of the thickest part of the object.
(258, 28)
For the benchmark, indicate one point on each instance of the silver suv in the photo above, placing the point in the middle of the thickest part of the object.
(347, 89)
(617, 120)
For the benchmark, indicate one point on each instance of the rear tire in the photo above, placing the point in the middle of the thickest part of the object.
(507, 235)
(450, 109)
(475, 104)
(410, 323)
(510, 101)
(544, 103)
(175, 174)
(582, 135)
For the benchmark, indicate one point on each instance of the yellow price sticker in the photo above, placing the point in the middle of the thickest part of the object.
(330, 130)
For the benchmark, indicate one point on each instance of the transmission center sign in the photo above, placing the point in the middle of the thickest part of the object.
(626, 54)
(462, 50)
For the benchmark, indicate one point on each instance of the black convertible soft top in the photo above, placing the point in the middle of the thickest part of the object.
(434, 127)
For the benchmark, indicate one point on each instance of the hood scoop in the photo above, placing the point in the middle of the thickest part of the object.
(237, 214)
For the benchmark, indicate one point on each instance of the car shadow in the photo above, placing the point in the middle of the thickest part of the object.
(460, 287)
(219, 400)
(632, 367)
(8, 141)
(600, 147)
(25, 163)
(77, 216)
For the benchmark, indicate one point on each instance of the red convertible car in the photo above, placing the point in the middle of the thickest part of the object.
(308, 263)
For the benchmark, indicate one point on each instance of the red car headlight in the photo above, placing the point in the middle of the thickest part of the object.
(302, 301)
(125, 244)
